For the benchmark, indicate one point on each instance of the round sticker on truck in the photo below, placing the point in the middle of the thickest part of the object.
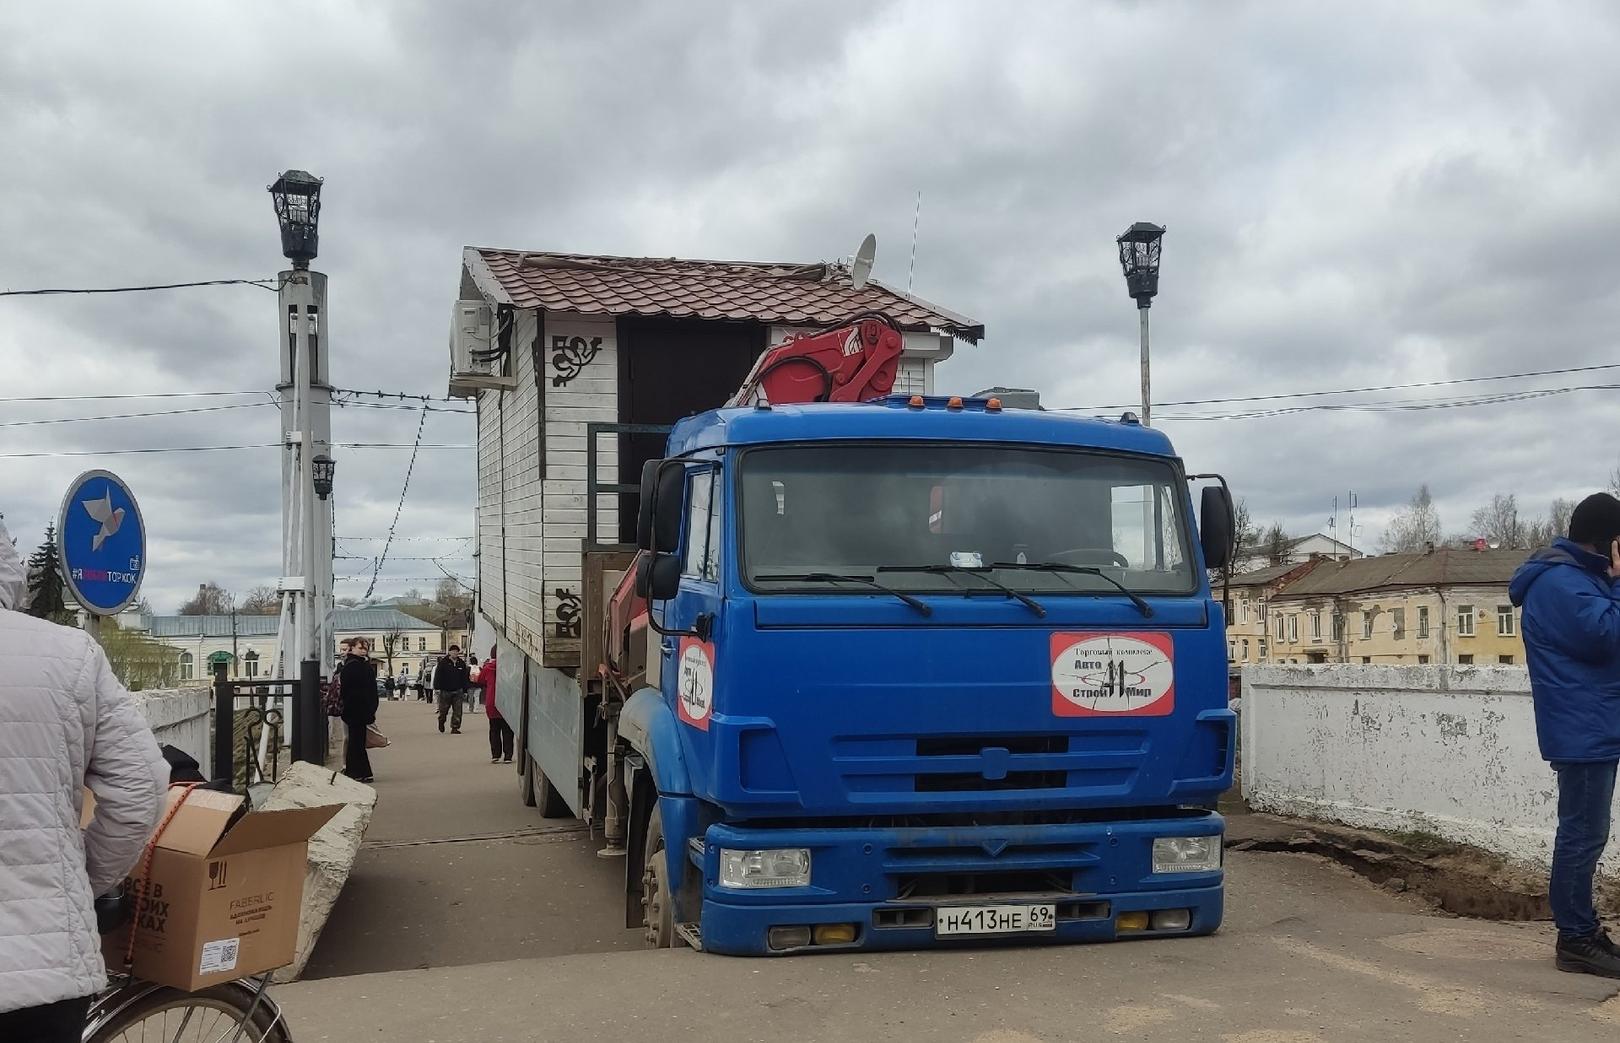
(1130, 674)
(694, 684)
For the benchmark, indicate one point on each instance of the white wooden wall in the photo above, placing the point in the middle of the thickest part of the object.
(575, 396)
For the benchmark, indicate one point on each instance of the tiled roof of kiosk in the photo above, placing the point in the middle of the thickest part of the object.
(781, 294)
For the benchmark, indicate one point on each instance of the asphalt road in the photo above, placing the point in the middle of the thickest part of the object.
(455, 870)
(513, 919)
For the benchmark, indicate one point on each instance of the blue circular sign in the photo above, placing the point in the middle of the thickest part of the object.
(102, 542)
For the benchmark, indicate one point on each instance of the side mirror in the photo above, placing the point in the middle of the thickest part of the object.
(644, 514)
(1215, 524)
(658, 576)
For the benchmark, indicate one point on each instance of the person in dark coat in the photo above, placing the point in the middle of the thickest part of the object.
(450, 682)
(357, 684)
(1570, 594)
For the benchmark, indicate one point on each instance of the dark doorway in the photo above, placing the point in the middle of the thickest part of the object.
(670, 369)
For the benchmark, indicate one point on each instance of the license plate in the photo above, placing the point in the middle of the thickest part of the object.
(993, 919)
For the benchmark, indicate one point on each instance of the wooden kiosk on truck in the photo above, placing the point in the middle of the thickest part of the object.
(578, 364)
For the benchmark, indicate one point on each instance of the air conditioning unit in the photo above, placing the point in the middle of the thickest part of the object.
(474, 366)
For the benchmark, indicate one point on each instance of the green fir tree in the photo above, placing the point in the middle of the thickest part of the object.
(47, 593)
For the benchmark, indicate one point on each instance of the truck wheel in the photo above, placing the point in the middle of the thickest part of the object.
(526, 781)
(658, 908)
(551, 802)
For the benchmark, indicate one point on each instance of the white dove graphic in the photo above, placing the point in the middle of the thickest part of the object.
(102, 511)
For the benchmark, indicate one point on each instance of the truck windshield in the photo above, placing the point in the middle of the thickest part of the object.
(856, 509)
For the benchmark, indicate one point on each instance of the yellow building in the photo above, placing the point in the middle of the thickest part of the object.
(1445, 606)
(1247, 636)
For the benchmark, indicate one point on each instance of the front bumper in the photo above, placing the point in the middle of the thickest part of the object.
(889, 882)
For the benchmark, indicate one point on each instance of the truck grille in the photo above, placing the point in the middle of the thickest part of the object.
(885, 766)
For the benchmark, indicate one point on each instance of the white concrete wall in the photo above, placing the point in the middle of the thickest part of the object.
(179, 717)
(1445, 750)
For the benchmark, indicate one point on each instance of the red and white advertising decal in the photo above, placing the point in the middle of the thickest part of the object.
(694, 690)
(1127, 674)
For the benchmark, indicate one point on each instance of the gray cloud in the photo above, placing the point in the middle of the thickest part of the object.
(1357, 195)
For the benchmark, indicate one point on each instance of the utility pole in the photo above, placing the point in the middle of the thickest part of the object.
(306, 422)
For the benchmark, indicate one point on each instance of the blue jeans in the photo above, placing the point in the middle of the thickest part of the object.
(1585, 797)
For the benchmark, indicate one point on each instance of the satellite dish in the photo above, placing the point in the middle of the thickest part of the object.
(862, 268)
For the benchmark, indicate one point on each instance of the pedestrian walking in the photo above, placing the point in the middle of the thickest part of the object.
(1570, 594)
(65, 724)
(475, 691)
(450, 683)
(500, 733)
(357, 684)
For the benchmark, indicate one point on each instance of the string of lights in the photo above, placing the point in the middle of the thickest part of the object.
(421, 424)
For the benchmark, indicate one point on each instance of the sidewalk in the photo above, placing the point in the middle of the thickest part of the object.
(455, 870)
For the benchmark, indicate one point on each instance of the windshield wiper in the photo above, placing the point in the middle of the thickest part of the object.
(982, 573)
(839, 577)
(1080, 570)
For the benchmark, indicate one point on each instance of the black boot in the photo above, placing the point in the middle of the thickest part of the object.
(1592, 955)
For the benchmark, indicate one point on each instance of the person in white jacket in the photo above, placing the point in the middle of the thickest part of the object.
(65, 724)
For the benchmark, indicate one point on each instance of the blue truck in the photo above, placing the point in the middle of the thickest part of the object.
(844, 669)
(921, 671)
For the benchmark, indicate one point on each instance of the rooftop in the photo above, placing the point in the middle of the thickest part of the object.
(365, 620)
(1444, 567)
(1269, 574)
(768, 292)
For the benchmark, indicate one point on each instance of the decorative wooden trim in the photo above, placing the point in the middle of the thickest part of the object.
(570, 356)
(537, 357)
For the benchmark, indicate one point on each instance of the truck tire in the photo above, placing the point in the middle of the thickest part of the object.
(658, 906)
(537, 791)
(526, 781)
(551, 802)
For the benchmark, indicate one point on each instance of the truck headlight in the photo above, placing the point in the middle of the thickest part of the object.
(770, 867)
(1187, 854)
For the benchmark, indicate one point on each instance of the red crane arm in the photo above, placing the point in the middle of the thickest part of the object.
(852, 363)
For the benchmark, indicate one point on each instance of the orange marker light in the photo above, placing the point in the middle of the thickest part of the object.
(954, 403)
(916, 402)
(993, 406)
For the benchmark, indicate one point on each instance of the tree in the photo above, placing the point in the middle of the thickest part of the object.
(1245, 537)
(1415, 527)
(1499, 523)
(1556, 524)
(137, 660)
(347, 602)
(263, 600)
(47, 592)
(415, 594)
(1274, 545)
(393, 641)
(210, 600)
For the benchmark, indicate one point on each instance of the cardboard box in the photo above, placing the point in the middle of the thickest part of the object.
(224, 892)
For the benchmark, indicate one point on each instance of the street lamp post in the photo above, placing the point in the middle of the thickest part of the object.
(1139, 247)
(306, 436)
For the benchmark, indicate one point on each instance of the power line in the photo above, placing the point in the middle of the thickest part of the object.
(402, 539)
(222, 448)
(105, 398)
(268, 284)
(1356, 391)
(1397, 406)
(421, 424)
(134, 416)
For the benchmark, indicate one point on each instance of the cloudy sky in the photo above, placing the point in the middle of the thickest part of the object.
(1374, 195)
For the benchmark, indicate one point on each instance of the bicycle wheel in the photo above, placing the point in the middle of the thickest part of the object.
(210, 1016)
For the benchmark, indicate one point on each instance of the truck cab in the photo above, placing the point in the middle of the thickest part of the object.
(924, 671)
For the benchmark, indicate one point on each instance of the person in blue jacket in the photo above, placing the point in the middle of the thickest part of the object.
(1570, 593)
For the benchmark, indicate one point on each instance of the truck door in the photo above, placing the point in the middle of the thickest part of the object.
(689, 661)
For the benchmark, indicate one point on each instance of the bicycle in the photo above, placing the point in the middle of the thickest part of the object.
(131, 1009)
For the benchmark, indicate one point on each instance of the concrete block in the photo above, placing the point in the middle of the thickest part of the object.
(332, 851)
